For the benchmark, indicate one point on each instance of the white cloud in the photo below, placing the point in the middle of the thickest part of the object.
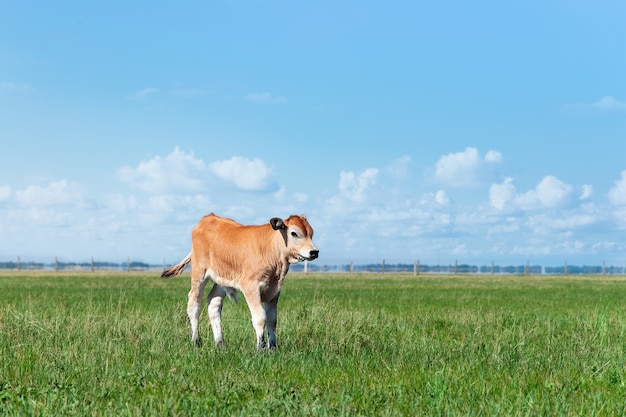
(501, 196)
(56, 193)
(265, 98)
(176, 92)
(493, 157)
(5, 193)
(144, 93)
(287, 203)
(503, 225)
(177, 172)
(607, 104)
(280, 194)
(547, 223)
(399, 168)
(41, 215)
(603, 246)
(181, 172)
(300, 197)
(434, 200)
(10, 86)
(619, 214)
(56, 204)
(467, 168)
(549, 193)
(462, 250)
(121, 203)
(246, 174)
(442, 198)
(617, 194)
(354, 187)
(363, 219)
(587, 192)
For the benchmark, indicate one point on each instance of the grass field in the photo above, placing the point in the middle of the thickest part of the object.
(118, 344)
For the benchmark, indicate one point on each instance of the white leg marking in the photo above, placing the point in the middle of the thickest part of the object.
(194, 306)
(215, 300)
(253, 298)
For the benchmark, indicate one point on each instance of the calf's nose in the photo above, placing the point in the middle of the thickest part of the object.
(314, 254)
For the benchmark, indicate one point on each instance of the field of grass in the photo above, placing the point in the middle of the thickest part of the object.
(118, 344)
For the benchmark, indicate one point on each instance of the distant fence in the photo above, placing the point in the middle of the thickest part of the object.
(453, 269)
(415, 268)
(92, 266)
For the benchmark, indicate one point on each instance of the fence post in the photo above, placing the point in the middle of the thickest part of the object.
(492, 268)
(19, 264)
(383, 270)
(416, 267)
(128, 264)
(565, 271)
(92, 265)
(527, 268)
(603, 268)
(351, 268)
(456, 266)
(56, 264)
(306, 266)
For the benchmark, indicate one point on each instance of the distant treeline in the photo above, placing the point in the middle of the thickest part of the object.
(417, 268)
(380, 268)
(107, 266)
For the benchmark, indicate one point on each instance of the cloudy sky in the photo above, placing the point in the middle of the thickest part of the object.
(403, 129)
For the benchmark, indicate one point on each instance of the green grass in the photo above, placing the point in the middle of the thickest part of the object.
(119, 344)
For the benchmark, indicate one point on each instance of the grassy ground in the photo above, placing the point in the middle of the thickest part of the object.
(118, 344)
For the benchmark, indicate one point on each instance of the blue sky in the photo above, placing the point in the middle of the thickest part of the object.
(403, 129)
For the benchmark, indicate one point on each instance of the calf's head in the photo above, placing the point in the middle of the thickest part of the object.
(298, 236)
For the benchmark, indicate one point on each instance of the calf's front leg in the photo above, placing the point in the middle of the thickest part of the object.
(253, 298)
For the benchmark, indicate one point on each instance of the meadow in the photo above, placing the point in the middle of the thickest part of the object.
(118, 344)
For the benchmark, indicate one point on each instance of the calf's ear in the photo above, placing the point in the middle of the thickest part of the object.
(277, 223)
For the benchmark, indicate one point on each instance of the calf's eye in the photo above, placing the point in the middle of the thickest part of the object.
(294, 234)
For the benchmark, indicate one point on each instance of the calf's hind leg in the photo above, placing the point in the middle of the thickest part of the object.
(194, 306)
(215, 300)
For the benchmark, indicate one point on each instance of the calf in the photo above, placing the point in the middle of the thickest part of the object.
(251, 259)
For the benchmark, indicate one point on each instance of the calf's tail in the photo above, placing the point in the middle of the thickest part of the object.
(177, 269)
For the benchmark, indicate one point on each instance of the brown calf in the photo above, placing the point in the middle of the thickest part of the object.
(251, 259)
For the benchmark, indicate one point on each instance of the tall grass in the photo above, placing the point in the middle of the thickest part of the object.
(118, 344)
